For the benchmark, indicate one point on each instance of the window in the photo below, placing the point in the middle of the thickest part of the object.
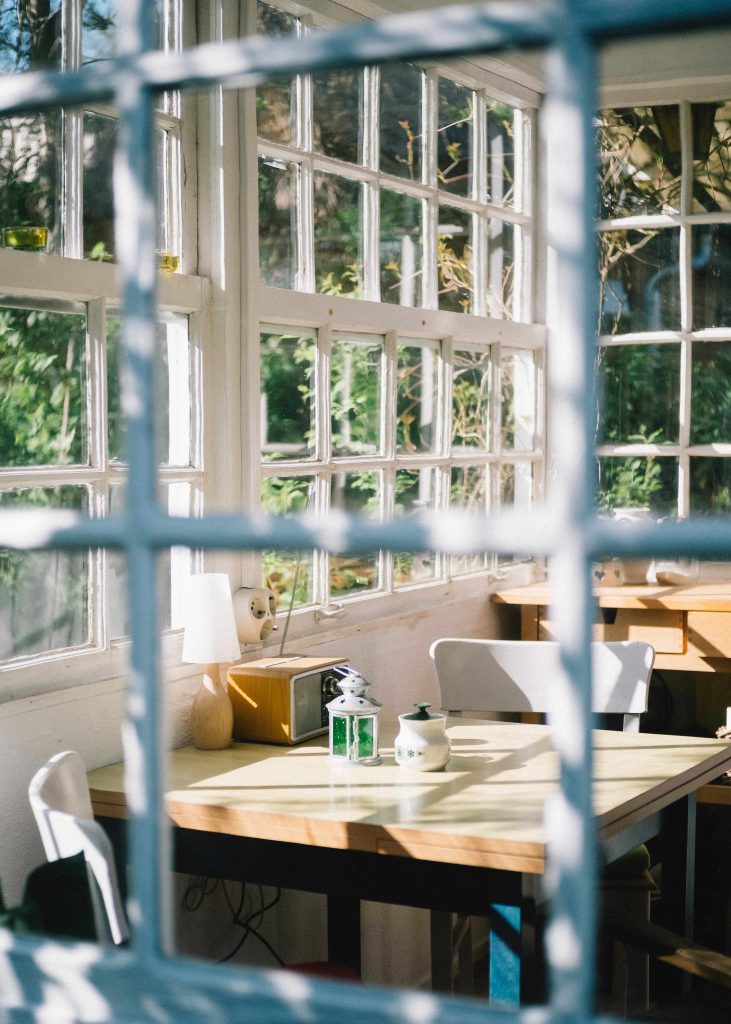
(62, 443)
(409, 188)
(142, 981)
(665, 355)
(56, 168)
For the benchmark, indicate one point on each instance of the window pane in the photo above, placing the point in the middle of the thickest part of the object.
(357, 494)
(277, 222)
(471, 399)
(173, 391)
(454, 260)
(415, 492)
(500, 268)
(711, 287)
(516, 484)
(337, 120)
(174, 565)
(356, 373)
(30, 36)
(516, 491)
(501, 154)
(518, 400)
(100, 139)
(639, 279)
(640, 393)
(400, 125)
(99, 142)
(43, 387)
(640, 160)
(469, 490)
(338, 236)
(99, 27)
(417, 376)
(454, 140)
(401, 251)
(287, 396)
(274, 100)
(711, 124)
(44, 595)
(711, 393)
(710, 487)
(639, 481)
(99, 31)
(283, 571)
(29, 184)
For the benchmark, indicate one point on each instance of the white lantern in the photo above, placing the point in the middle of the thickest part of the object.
(354, 723)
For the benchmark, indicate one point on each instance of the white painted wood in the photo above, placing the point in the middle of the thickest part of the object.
(519, 676)
(59, 798)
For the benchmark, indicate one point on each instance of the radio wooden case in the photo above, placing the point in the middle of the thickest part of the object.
(282, 700)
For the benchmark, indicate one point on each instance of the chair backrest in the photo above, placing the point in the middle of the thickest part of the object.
(59, 798)
(516, 675)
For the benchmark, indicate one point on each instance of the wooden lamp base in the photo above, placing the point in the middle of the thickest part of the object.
(211, 716)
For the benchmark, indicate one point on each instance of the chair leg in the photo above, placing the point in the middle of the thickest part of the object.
(630, 967)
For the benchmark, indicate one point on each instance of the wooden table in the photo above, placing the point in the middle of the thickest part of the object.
(469, 839)
(689, 626)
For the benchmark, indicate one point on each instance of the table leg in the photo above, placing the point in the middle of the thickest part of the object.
(440, 923)
(677, 905)
(505, 952)
(343, 929)
(678, 866)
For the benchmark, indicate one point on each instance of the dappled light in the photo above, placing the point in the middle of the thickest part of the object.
(316, 303)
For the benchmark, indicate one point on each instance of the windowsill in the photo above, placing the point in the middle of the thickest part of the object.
(64, 677)
(312, 625)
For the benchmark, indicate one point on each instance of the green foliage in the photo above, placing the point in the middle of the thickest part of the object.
(355, 390)
(633, 481)
(42, 388)
(349, 281)
(286, 572)
(287, 368)
(42, 594)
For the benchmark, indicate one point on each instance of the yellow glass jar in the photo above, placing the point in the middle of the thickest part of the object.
(31, 238)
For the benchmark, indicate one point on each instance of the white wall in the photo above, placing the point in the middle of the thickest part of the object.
(392, 654)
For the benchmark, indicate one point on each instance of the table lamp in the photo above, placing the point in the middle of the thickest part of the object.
(210, 639)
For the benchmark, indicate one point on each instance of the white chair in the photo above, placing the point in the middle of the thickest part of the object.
(518, 676)
(59, 798)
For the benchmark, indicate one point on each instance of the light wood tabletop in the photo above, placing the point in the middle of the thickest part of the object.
(484, 810)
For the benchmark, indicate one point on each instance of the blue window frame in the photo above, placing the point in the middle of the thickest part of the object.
(142, 982)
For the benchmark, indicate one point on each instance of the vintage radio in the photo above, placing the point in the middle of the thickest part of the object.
(283, 699)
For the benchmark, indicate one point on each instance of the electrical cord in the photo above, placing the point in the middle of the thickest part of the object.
(201, 887)
(197, 891)
(251, 923)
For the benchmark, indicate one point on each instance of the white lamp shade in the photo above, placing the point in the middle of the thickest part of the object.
(210, 627)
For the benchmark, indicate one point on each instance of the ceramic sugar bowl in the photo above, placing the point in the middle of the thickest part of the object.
(422, 743)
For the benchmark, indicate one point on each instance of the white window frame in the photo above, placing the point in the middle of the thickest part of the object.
(327, 317)
(63, 274)
(330, 315)
(95, 285)
(686, 337)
